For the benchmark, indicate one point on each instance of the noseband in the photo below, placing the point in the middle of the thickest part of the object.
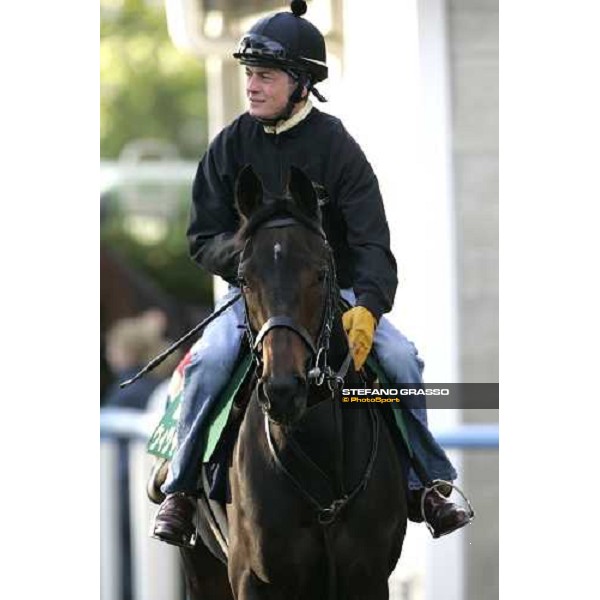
(320, 370)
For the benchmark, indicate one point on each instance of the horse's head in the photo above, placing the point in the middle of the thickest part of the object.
(287, 279)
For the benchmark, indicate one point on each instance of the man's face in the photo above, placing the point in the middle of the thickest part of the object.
(268, 91)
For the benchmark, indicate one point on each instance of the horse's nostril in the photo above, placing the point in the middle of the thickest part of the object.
(281, 385)
(284, 387)
(284, 398)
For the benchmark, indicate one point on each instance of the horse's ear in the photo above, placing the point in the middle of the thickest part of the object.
(248, 192)
(303, 193)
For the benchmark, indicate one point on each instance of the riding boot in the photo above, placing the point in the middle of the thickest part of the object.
(174, 522)
(442, 515)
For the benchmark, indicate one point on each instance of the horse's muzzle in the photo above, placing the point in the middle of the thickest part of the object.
(283, 398)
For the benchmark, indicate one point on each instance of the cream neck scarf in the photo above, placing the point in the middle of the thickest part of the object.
(282, 126)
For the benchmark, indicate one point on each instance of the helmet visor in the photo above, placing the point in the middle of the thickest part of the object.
(259, 46)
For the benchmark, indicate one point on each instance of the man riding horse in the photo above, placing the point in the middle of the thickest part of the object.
(284, 58)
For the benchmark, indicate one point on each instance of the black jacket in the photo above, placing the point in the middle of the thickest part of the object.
(353, 214)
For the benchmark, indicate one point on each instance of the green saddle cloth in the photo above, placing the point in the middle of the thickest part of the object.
(163, 441)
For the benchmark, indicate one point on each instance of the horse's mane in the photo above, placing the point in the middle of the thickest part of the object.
(272, 210)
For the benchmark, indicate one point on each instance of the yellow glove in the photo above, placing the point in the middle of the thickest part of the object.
(359, 324)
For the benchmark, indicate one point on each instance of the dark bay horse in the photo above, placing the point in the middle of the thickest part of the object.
(318, 501)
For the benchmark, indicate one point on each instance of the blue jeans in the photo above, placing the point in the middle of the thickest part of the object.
(213, 359)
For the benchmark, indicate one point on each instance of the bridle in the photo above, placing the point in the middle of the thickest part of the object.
(320, 371)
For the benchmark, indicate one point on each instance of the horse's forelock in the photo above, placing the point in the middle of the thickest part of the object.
(277, 209)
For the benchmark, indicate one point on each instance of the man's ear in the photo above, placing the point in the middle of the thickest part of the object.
(303, 193)
(248, 192)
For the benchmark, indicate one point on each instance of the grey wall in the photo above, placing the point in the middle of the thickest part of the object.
(473, 56)
(473, 38)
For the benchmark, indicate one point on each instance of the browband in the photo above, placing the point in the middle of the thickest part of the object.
(287, 221)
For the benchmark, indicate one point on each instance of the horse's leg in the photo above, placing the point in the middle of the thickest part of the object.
(205, 576)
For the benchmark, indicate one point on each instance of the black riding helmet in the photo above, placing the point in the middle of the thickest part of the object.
(288, 42)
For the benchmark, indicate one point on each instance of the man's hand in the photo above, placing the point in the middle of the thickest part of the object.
(359, 324)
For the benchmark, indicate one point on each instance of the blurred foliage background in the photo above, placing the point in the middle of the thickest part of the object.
(163, 258)
(149, 88)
